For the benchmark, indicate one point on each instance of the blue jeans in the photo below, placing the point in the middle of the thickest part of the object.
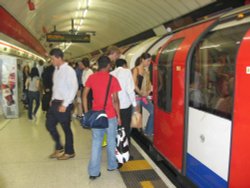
(33, 95)
(96, 153)
(149, 130)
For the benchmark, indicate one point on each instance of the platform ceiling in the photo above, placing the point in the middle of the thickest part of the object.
(112, 20)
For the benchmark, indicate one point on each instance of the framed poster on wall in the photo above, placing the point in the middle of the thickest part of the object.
(9, 88)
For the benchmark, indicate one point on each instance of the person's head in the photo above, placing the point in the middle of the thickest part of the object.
(85, 63)
(223, 86)
(34, 72)
(26, 69)
(104, 63)
(121, 63)
(145, 59)
(56, 55)
(113, 52)
(40, 62)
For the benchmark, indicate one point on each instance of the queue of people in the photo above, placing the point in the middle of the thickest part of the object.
(63, 84)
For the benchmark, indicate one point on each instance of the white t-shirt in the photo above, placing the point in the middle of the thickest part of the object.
(85, 75)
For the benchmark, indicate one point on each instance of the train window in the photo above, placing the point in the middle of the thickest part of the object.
(212, 70)
(165, 75)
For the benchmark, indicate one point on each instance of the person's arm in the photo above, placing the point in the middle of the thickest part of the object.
(27, 82)
(116, 105)
(38, 84)
(85, 99)
(130, 89)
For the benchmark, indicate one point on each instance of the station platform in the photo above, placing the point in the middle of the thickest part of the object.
(24, 163)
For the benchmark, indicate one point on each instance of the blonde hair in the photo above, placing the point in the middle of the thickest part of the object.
(111, 50)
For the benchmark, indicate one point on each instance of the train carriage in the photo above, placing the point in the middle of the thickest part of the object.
(200, 98)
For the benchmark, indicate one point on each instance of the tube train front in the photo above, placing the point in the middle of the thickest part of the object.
(201, 78)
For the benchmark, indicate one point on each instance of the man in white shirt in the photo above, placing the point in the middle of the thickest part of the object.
(126, 95)
(64, 90)
(87, 71)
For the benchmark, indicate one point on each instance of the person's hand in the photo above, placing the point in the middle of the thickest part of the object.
(119, 121)
(62, 108)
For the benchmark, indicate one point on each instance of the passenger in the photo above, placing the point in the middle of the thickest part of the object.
(32, 86)
(195, 92)
(126, 95)
(87, 71)
(143, 89)
(225, 100)
(98, 83)
(40, 68)
(113, 52)
(77, 112)
(63, 93)
(47, 78)
(26, 73)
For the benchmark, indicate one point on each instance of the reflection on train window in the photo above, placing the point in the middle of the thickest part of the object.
(165, 75)
(212, 71)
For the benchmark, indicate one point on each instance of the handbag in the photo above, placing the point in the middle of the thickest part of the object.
(122, 146)
(97, 119)
(136, 120)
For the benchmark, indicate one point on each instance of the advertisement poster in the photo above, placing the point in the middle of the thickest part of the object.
(9, 89)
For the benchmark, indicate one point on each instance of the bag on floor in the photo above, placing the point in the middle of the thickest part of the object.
(95, 120)
(122, 146)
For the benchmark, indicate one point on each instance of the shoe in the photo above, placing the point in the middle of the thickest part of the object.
(118, 167)
(66, 156)
(57, 153)
(94, 177)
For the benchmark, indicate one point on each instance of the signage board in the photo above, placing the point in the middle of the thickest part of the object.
(55, 37)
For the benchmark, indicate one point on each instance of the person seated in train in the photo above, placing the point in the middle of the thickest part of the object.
(196, 96)
(224, 102)
(143, 89)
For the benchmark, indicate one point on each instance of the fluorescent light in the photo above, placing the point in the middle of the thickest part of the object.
(88, 3)
(85, 12)
(6, 44)
(210, 46)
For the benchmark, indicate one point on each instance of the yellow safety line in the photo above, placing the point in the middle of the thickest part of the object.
(135, 165)
(146, 184)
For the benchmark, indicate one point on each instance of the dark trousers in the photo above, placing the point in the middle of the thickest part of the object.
(126, 115)
(33, 95)
(64, 118)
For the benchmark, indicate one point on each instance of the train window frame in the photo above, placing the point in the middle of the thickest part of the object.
(165, 79)
(226, 48)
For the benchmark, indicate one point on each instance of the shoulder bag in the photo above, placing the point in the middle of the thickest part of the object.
(94, 119)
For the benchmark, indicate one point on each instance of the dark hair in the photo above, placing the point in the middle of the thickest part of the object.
(57, 52)
(137, 61)
(120, 62)
(103, 62)
(145, 56)
(34, 72)
(85, 62)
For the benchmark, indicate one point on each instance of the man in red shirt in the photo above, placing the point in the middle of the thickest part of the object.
(98, 82)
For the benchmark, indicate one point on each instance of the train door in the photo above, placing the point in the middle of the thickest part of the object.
(169, 94)
(211, 94)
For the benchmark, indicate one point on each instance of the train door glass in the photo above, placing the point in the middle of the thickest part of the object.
(211, 92)
(165, 75)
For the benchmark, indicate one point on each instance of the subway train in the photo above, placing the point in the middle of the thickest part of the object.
(201, 105)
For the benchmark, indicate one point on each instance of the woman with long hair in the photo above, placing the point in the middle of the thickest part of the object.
(143, 89)
(32, 85)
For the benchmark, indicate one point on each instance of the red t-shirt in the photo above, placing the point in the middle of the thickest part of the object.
(98, 82)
